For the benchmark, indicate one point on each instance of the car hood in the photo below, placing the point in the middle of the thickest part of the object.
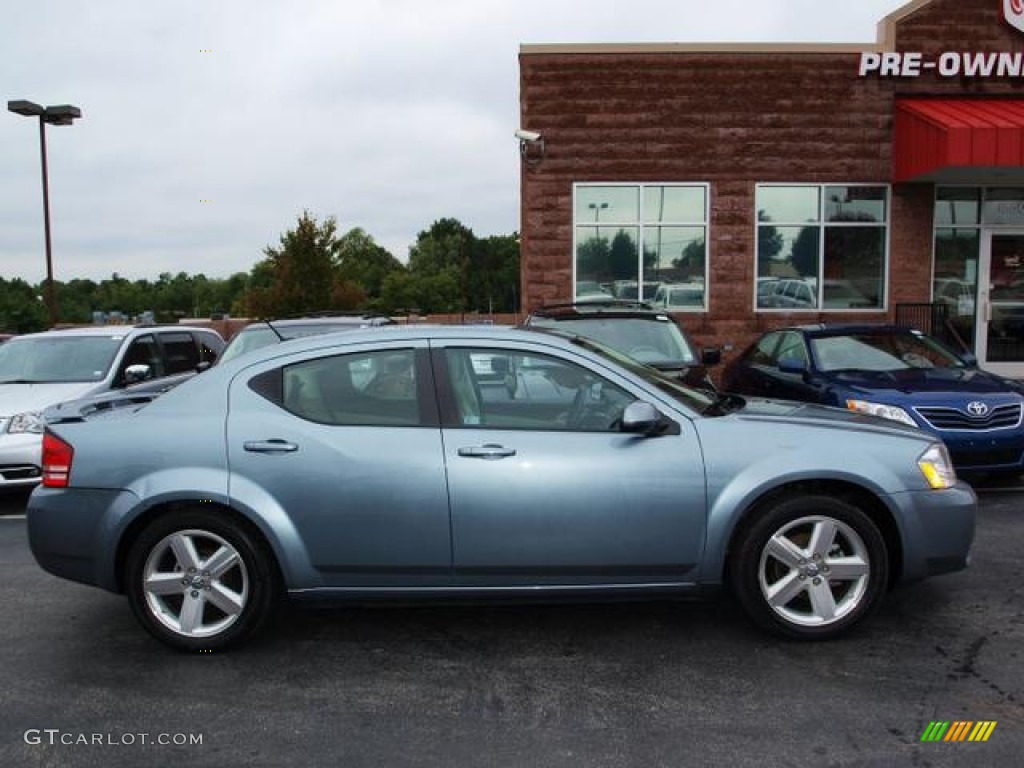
(19, 398)
(791, 412)
(900, 384)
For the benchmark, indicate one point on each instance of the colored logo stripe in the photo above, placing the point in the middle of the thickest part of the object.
(959, 730)
(982, 730)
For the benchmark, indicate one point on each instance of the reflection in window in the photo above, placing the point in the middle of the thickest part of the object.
(636, 241)
(374, 388)
(821, 247)
(955, 285)
(499, 389)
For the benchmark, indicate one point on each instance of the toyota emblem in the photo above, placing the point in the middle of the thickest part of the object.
(977, 409)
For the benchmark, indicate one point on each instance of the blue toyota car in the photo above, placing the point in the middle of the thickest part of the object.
(896, 373)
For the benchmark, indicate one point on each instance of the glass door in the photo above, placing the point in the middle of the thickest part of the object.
(1000, 329)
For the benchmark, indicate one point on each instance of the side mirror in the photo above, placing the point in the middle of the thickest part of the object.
(204, 366)
(641, 417)
(711, 356)
(133, 374)
(792, 365)
(969, 360)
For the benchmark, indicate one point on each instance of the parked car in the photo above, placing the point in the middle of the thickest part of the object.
(40, 370)
(261, 334)
(786, 293)
(896, 373)
(646, 334)
(287, 471)
(679, 295)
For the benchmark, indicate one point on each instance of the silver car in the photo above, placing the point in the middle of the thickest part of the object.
(40, 370)
(476, 462)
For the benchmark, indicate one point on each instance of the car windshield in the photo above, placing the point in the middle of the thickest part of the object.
(698, 400)
(259, 336)
(652, 339)
(53, 359)
(872, 351)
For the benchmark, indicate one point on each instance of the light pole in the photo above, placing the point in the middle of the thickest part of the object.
(63, 114)
(597, 208)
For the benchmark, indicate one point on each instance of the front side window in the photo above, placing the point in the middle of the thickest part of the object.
(507, 389)
(143, 351)
(369, 388)
(643, 242)
(821, 247)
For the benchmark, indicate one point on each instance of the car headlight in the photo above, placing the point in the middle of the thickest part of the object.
(937, 467)
(893, 412)
(30, 421)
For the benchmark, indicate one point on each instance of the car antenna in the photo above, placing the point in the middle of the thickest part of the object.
(270, 325)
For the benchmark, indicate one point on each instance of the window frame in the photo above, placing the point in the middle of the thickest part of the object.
(823, 225)
(640, 224)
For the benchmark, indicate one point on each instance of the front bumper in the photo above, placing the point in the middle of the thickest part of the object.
(937, 529)
(20, 457)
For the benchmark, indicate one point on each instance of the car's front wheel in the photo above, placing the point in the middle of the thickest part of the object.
(809, 567)
(200, 582)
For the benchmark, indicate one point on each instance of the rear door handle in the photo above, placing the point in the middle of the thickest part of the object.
(489, 451)
(274, 445)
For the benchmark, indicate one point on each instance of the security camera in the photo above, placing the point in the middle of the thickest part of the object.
(530, 136)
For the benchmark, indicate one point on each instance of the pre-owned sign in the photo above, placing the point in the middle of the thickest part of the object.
(948, 64)
(1013, 12)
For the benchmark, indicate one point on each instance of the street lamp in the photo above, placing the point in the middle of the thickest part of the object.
(597, 208)
(63, 114)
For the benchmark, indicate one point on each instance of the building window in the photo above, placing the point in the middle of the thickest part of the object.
(821, 247)
(641, 241)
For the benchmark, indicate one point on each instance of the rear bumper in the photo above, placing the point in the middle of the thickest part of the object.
(74, 533)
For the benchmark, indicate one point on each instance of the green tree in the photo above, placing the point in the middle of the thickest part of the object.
(21, 308)
(362, 262)
(299, 275)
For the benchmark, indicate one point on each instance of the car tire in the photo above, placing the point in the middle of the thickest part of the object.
(200, 582)
(810, 567)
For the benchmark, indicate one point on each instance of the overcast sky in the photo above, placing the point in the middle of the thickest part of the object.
(209, 125)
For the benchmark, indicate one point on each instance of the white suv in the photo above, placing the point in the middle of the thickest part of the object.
(40, 370)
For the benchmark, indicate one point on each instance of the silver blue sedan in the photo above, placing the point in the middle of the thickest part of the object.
(483, 462)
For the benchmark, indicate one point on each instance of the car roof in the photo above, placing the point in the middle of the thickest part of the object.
(345, 320)
(590, 309)
(842, 329)
(113, 331)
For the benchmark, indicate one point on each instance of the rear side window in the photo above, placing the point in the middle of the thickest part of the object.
(210, 347)
(362, 389)
(181, 353)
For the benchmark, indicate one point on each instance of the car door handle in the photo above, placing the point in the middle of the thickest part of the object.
(489, 451)
(274, 445)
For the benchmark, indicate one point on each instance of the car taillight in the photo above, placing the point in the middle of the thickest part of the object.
(57, 456)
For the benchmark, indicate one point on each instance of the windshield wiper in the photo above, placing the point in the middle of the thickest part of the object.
(22, 381)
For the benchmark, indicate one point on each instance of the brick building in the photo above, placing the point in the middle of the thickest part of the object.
(751, 186)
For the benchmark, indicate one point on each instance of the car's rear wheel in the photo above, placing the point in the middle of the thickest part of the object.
(809, 567)
(200, 582)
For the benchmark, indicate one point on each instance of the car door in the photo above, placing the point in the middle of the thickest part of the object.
(345, 443)
(544, 488)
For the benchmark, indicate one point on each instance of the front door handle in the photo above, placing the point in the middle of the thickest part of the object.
(274, 445)
(489, 451)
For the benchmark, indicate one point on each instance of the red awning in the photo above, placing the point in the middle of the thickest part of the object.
(939, 139)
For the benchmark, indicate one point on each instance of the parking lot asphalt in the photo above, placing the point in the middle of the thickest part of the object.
(635, 684)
